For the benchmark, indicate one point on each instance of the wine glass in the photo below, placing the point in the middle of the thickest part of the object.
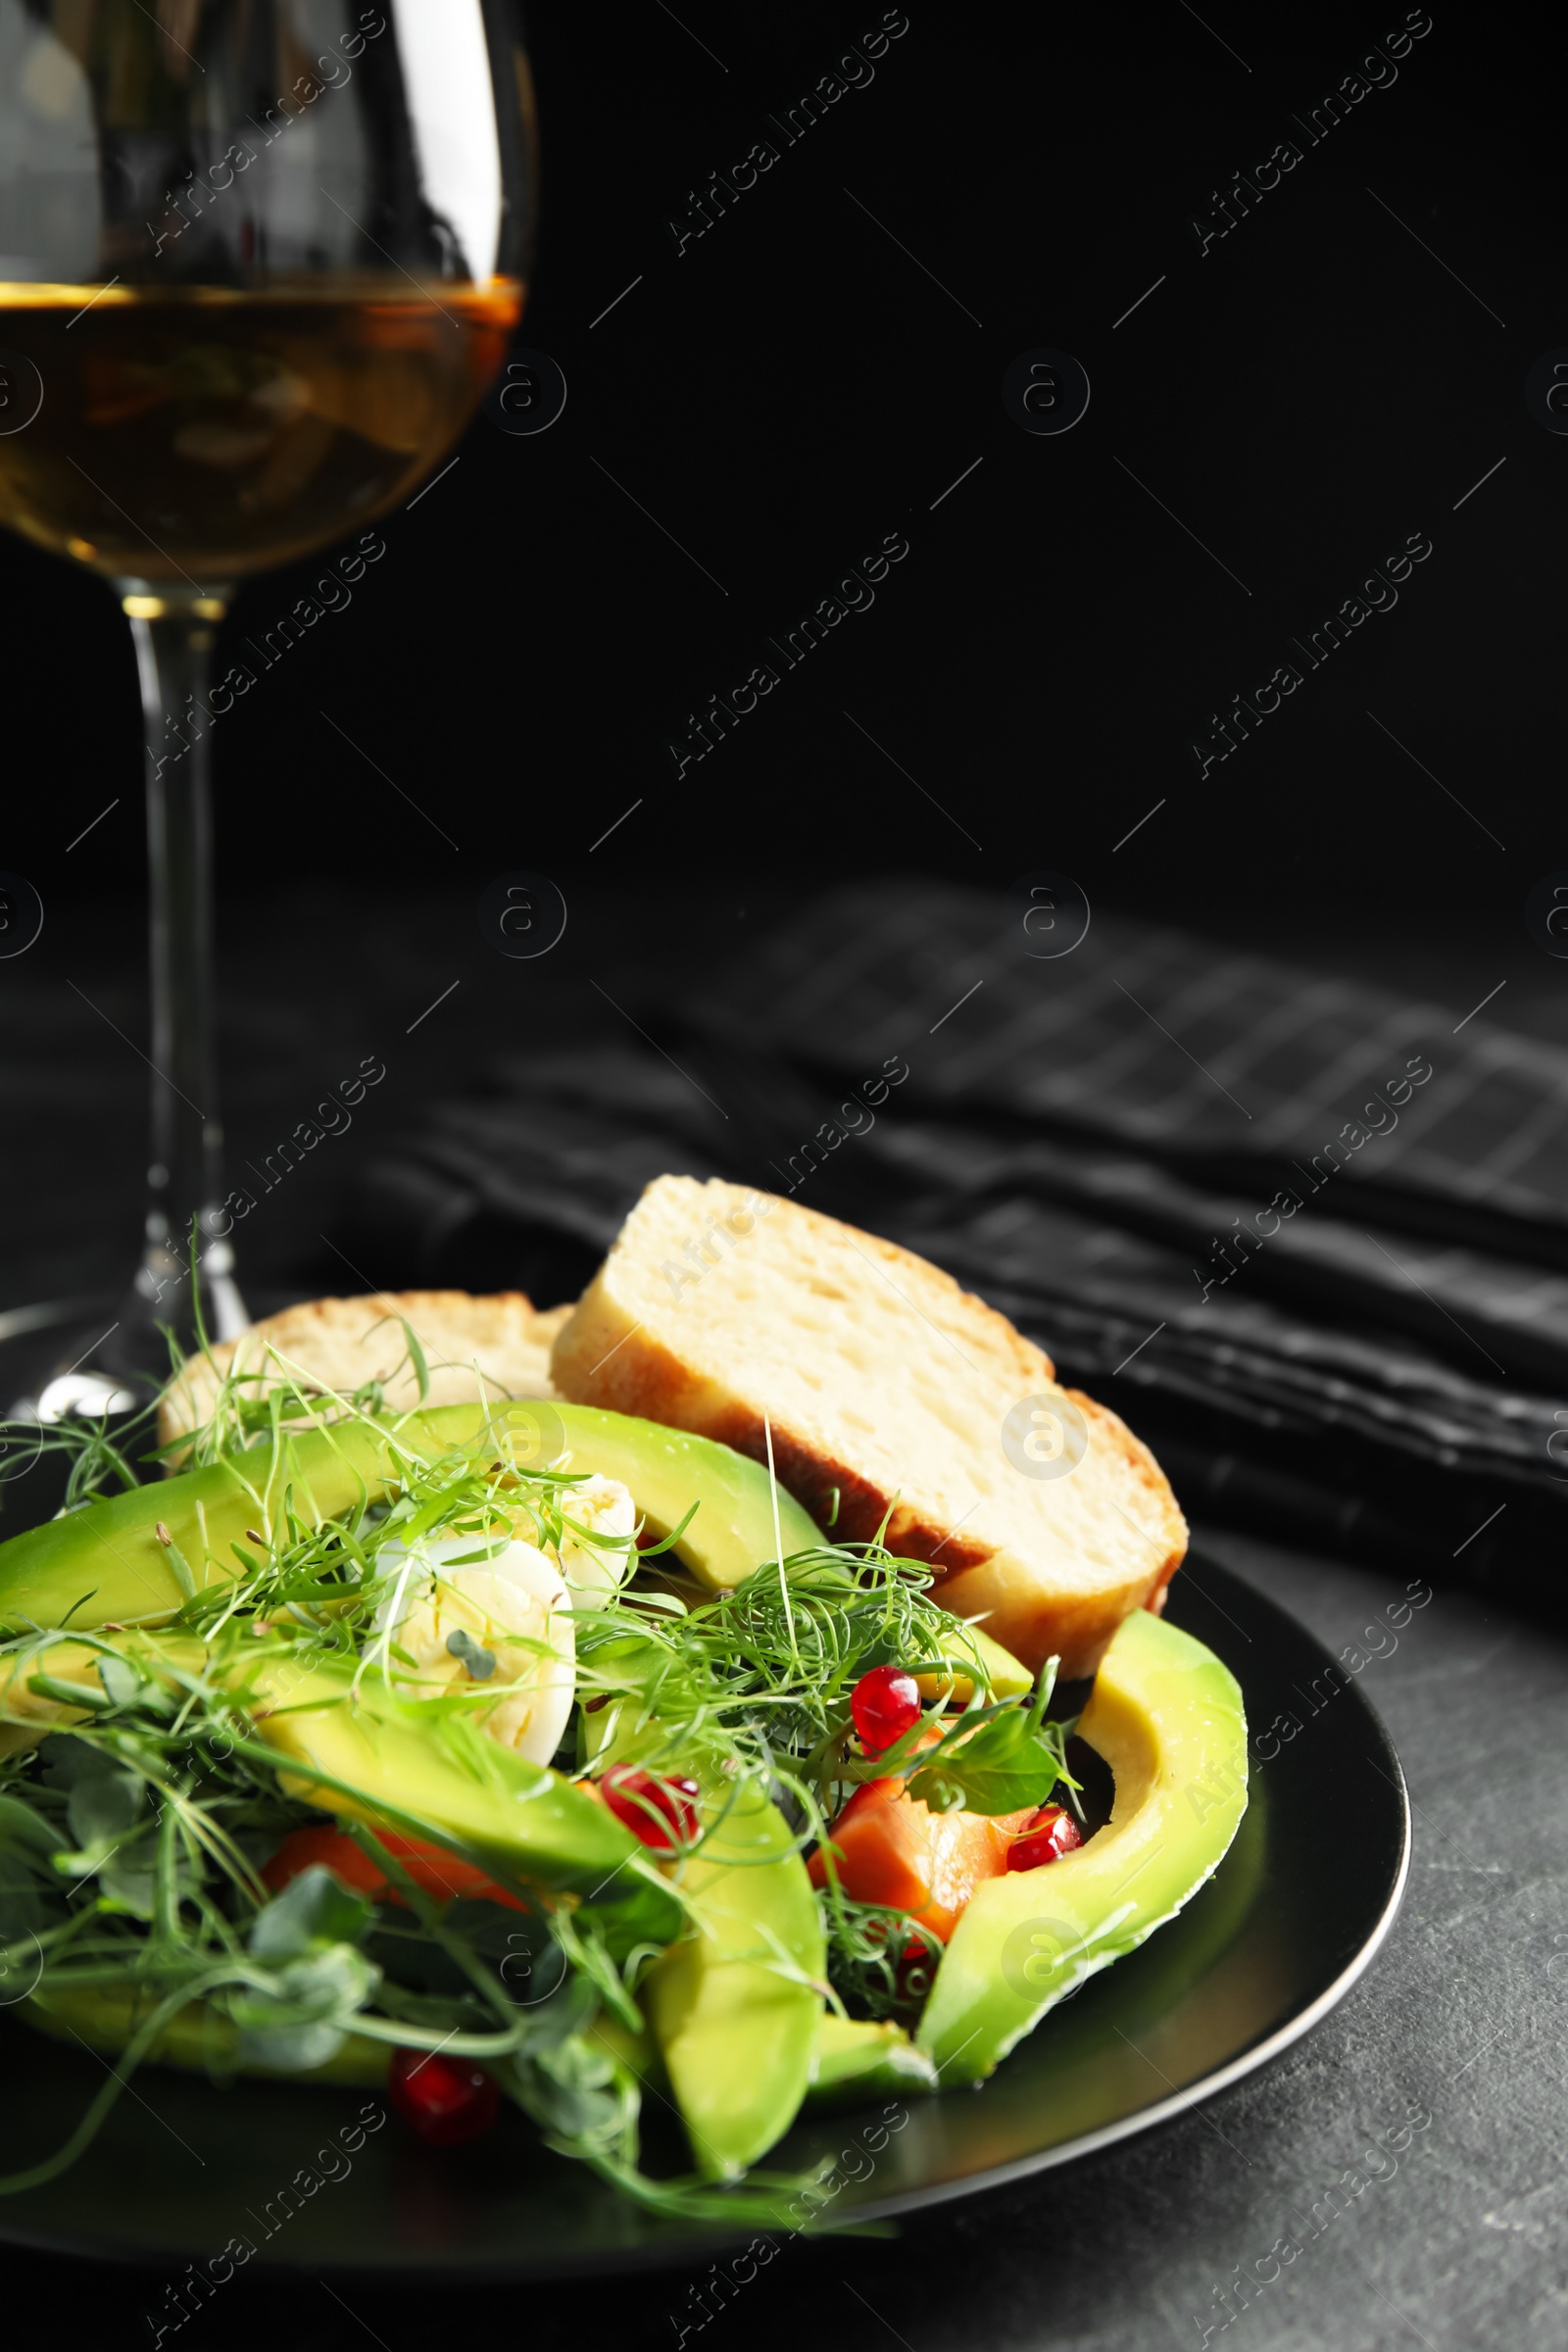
(259, 259)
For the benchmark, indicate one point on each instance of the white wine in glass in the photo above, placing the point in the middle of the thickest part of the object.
(259, 259)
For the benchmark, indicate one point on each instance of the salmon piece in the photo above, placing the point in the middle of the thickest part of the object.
(893, 1850)
(966, 1848)
(430, 1867)
(882, 1845)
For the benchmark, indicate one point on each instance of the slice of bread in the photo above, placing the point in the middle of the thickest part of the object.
(473, 1347)
(884, 1382)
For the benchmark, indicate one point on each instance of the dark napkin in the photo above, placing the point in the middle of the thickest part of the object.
(1306, 1237)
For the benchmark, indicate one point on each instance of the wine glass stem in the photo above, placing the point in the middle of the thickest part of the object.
(184, 1175)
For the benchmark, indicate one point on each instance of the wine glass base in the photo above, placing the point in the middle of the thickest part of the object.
(56, 1358)
(48, 1343)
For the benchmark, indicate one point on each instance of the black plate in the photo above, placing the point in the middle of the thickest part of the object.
(1281, 1932)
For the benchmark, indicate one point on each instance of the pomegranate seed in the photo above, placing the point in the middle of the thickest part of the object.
(1051, 1834)
(658, 1808)
(885, 1703)
(447, 2100)
(915, 1972)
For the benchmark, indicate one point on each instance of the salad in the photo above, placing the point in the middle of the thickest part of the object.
(533, 1752)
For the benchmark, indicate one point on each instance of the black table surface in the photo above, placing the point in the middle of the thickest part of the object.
(1457, 2239)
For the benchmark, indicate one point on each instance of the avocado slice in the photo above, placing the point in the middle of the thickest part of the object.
(386, 1758)
(199, 2040)
(735, 2024)
(1009, 1677)
(852, 2058)
(107, 1560)
(1167, 1715)
(667, 1470)
(390, 1760)
(859, 2058)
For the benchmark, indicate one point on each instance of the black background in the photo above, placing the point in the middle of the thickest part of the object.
(784, 393)
(1303, 397)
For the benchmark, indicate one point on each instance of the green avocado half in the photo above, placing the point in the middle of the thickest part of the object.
(1167, 1715)
(736, 2001)
(107, 1561)
(370, 1753)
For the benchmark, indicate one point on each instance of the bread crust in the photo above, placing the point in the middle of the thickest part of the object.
(338, 1341)
(1074, 1628)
